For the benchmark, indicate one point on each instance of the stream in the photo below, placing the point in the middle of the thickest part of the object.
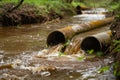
(24, 54)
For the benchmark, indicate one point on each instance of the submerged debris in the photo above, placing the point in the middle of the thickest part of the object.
(9, 66)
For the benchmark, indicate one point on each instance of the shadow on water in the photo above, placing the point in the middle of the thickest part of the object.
(24, 55)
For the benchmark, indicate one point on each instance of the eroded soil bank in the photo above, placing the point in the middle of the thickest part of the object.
(28, 14)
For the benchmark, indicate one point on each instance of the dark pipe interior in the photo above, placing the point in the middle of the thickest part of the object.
(55, 38)
(90, 43)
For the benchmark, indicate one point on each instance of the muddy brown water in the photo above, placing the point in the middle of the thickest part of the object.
(25, 56)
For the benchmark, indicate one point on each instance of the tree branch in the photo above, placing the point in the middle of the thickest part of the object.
(15, 7)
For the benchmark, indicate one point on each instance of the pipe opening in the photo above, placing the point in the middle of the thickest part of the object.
(90, 43)
(55, 38)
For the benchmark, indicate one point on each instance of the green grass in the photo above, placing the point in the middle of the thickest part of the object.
(116, 44)
(97, 3)
(77, 3)
(104, 69)
(47, 5)
(35, 2)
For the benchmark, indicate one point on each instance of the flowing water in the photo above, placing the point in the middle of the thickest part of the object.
(25, 56)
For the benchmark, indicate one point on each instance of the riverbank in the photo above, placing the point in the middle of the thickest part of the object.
(29, 14)
(115, 46)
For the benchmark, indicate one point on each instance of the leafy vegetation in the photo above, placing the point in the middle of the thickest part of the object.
(99, 53)
(116, 52)
(116, 45)
(81, 58)
(56, 5)
(61, 54)
(116, 72)
(97, 3)
(104, 69)
(90, 51)
(115, 7)
(115, 48)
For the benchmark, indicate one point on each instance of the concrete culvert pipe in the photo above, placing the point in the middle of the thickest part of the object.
(55, 38)
(64, 34)
(90, 43)
(59, 36)
(97, 42)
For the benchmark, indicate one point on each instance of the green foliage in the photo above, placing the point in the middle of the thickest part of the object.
(78, 3)
(90, 51)
(9, 1)
(116, 44)
(97, 3)
(56, 5)
(67, 43)
(99, 53)
(81, 58)
(62, 54)
(116, 66)
(104, 69)
(115, 7)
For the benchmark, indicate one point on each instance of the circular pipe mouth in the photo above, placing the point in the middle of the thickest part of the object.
(55, 38)
(90, 43)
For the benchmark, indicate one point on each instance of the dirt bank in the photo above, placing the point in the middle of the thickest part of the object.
(27, 14)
